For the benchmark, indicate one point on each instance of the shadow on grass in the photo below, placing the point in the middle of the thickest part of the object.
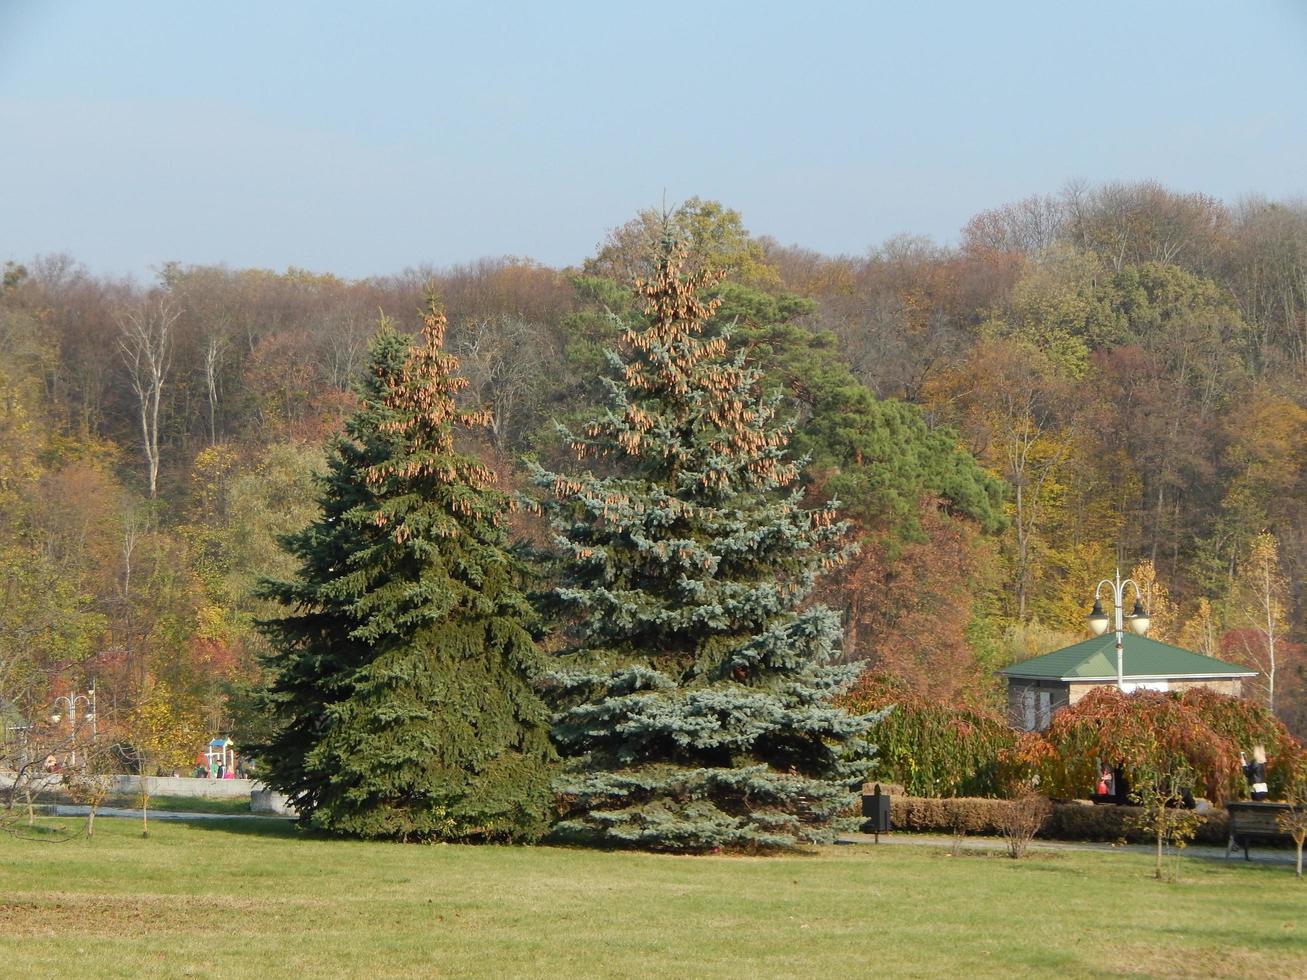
(1269, 857)
(265, 827)
(43, 833)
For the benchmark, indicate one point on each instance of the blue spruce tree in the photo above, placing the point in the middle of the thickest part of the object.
(403, 667)
(694, 702)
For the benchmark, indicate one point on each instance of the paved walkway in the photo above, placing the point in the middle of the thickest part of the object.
(1260, 855)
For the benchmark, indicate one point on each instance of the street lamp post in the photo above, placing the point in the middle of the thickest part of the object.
(1098, 620)
(72, 700)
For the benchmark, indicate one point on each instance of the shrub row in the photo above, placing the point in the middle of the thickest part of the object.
(1068, 821)
(935, 749)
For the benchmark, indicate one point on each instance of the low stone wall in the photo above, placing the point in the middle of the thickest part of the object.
(262, 799)
(270, 801)
(205, 789)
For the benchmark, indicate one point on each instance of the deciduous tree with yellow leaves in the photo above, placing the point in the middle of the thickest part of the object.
(164, 730)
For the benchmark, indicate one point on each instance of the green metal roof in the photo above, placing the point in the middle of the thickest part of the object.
(1095, 660)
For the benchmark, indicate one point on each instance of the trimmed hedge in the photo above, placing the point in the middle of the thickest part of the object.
(967, 814)
(1068, 821)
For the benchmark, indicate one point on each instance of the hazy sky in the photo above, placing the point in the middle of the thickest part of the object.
(364, 137)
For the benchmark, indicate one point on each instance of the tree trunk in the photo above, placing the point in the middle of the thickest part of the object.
(211, 354)
(146, 345)
(1157, 871)
(1022, 550)
(1270, 646)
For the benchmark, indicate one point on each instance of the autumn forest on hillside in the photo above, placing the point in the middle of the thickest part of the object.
(1112, 375)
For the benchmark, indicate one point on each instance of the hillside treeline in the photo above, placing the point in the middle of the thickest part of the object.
(1114, 375)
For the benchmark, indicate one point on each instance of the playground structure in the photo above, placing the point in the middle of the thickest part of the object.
(220, 753)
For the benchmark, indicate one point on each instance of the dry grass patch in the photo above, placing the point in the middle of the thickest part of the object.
(1182, 960)
(56, 914)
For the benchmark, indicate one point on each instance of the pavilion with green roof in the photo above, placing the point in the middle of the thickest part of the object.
(1039, 686)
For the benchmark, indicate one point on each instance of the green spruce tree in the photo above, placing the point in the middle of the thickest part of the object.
(403, 667)
(694, 705)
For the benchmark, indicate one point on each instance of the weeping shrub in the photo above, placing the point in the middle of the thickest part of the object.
(932, 749)
(1245, 724)
(1149, 735)
(938, 750)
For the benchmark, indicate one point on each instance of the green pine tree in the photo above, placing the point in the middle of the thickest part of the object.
(695, 704)
(404, 665)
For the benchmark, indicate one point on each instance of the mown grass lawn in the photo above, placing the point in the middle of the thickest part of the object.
(231, 898)
(184, 804)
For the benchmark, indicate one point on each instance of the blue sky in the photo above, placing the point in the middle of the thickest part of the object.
(361, 138)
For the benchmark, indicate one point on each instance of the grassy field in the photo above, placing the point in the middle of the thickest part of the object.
(235, 898)
(184, 804)
(178, 804)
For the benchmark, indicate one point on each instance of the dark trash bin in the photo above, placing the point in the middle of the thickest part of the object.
(875, 808)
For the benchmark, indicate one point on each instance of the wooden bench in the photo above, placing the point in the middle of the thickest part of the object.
(1255, 821)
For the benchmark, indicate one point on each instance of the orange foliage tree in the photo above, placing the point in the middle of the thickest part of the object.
(908, 615)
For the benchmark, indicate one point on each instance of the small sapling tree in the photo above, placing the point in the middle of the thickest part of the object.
(1160, 793)
(87, 783)
(1021, 819)
(33, 747)
(1294, 821)
(164, 731)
